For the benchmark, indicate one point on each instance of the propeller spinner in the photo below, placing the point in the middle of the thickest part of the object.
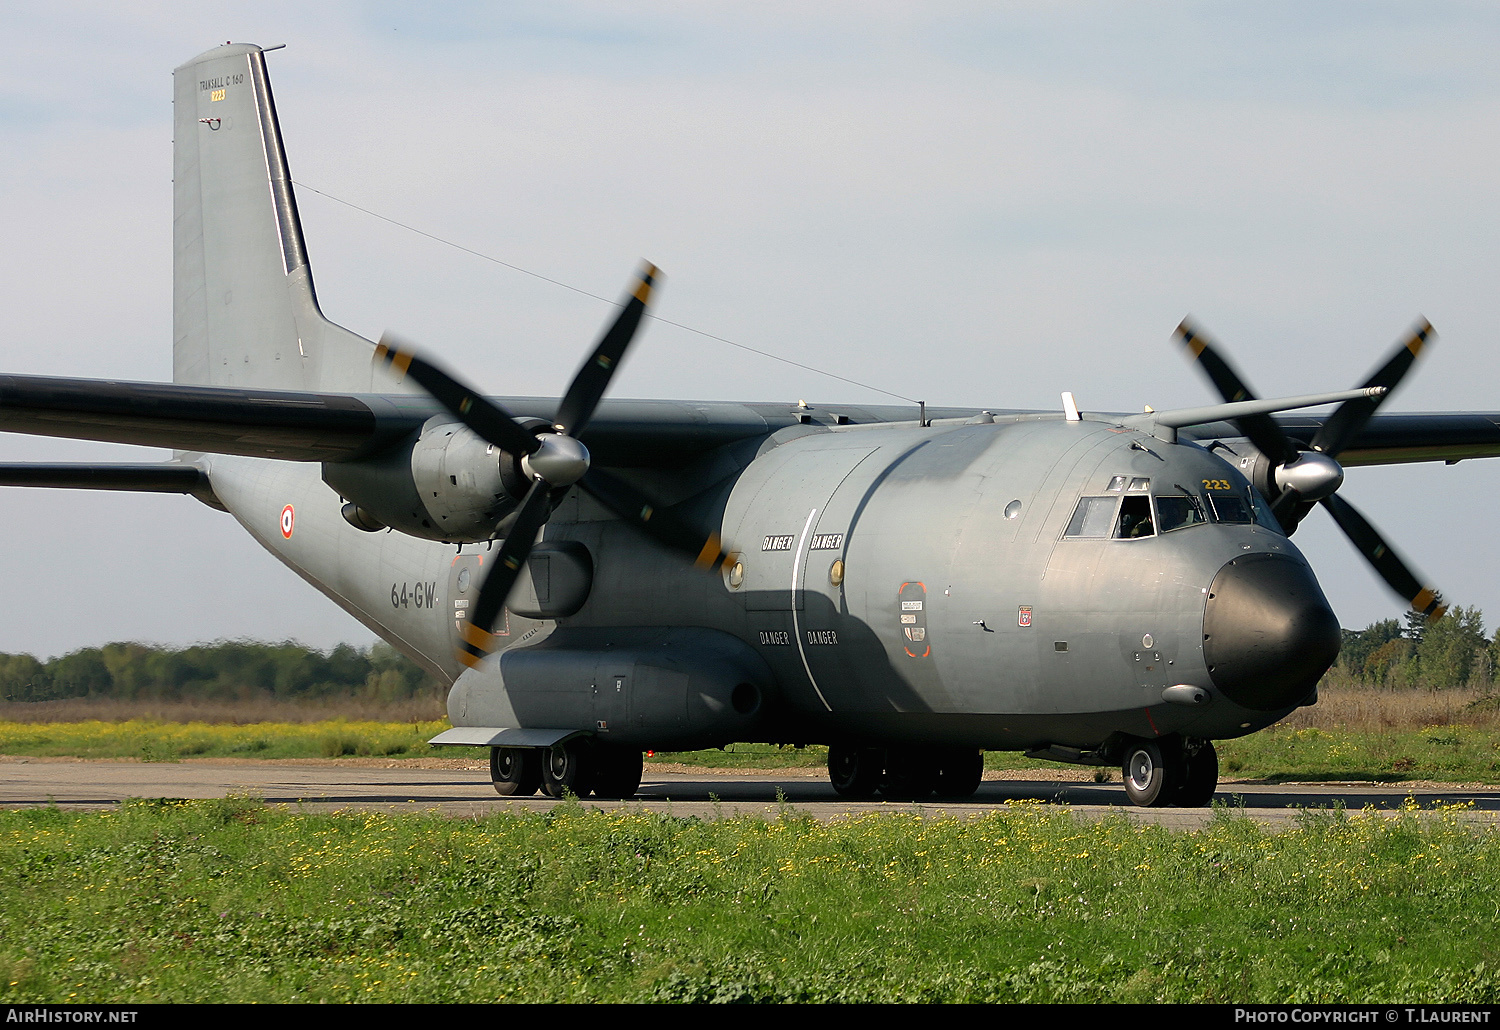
(1307, 477)
(554, 459)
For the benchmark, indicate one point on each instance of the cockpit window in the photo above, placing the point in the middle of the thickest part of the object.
(1263, 515)
(1230, 508)
(1093, 517)
(1135, 519)
(1178, 512)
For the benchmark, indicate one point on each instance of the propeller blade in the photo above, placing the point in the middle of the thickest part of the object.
(593, 377)
(1285, 509)
(1385, 561)
(1261, 430)
(663, 525)
(478, 641)
(490, 421)
(1345, 423)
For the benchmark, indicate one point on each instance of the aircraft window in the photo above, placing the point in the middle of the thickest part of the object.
(1230, 508)
(1140, 483)
(1092, 517)
(1135, 519)
(1177, 512)
(1263, 512)
(1116, 484)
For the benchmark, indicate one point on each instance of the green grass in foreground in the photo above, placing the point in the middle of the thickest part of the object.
(231, 901)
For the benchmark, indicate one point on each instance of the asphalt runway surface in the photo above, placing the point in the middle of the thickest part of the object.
(324, 786)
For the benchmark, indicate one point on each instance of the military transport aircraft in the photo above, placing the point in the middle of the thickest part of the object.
(595, 578)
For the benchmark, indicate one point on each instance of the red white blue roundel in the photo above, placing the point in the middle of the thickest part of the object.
(288, 520)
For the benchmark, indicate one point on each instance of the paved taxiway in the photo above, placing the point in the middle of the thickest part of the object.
(323, 786)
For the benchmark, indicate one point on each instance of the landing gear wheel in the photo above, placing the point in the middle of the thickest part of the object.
(568, 769)
(959, 771)
(516, 772)
(1152, 771)
(911, 773)
(1200, 774)
(617, 771)
(855, 772)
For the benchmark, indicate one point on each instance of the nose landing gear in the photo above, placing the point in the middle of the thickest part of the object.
(1170, 771)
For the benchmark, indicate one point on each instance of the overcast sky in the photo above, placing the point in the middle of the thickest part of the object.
(974, 204)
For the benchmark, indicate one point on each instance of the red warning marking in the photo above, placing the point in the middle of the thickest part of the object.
(288, 520)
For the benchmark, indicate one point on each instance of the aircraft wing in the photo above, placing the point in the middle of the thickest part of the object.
(295, 426)
(1389, 439)
(257, 423)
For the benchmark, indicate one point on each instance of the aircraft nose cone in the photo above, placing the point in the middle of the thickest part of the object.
(1268, 633)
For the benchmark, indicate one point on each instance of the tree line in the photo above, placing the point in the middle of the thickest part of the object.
(1452, 652)
(227, 670)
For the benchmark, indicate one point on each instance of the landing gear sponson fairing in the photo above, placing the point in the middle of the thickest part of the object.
(597, 577)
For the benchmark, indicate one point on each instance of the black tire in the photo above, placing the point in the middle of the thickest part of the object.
(911, 773)
(568, 769)
(1152, 772)
(855, 772)
(515, 772)
(1200, 774)
(959, 771)
(617, 771)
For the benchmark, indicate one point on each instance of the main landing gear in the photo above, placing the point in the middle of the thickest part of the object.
(579, 767)
(1170, 771)
(904, 774)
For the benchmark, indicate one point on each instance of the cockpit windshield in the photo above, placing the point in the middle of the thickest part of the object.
(1230, 508)
(1263, 516)
(1138, 513)
(1179, 512)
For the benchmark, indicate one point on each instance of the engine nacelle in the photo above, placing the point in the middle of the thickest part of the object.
(446, 483)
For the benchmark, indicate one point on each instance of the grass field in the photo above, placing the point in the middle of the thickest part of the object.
(157, 741)
(1460, 753)
(230, 901)
(1352, 734)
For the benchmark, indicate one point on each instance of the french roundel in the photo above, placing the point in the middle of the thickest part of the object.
(288, 520)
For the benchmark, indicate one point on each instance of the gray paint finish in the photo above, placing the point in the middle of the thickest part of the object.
(959, 612)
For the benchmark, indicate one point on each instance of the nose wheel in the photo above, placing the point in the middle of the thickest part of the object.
(1201, 766)
(1170, 771)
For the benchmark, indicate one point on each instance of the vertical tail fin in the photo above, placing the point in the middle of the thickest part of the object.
(244, 309)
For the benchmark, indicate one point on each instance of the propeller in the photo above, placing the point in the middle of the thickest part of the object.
(1301, 478)
(555, 460)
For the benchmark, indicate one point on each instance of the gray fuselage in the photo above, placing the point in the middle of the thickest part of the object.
(889, 583)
